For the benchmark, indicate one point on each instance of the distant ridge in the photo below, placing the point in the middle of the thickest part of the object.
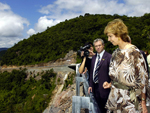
(56, 41)
(1, 49)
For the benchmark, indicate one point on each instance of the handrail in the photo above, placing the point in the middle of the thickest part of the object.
(87, 102)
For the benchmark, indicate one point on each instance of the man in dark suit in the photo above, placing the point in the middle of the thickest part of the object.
(99, 73)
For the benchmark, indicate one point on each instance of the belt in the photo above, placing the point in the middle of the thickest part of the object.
(130, 89)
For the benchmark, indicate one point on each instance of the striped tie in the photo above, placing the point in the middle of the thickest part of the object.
(96, 70)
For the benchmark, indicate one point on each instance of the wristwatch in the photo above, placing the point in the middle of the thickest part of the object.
(143, 99)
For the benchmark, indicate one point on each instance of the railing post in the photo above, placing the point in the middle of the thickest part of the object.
(77, 70)
(80, 102)
(76, 104)
(78, 80)
(87, 102)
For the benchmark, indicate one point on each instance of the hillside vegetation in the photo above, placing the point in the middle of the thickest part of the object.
(2, 52)
(56, 41)
(18, 95)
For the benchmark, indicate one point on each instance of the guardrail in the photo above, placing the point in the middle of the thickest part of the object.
(88, 102)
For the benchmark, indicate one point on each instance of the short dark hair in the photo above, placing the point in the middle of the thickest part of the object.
(87, 43)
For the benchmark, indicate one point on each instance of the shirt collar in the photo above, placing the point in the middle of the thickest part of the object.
(101, 54)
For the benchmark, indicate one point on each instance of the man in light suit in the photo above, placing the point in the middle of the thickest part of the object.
(99, 73)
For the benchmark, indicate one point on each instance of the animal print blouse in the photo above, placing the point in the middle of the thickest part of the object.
(128, 68)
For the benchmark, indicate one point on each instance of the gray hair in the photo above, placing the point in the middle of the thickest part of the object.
(98, 39)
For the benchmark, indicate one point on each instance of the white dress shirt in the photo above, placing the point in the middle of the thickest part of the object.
(101, 55)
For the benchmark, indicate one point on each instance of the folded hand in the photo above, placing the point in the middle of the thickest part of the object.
(106, 85)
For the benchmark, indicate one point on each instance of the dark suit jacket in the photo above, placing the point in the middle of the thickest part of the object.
(103, 74)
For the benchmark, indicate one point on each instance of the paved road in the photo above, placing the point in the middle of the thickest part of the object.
(63, 68)
(57, 69)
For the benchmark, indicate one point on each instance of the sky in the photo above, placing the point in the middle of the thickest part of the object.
(20, 19)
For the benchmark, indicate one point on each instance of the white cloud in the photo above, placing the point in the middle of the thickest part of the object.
(11, 26)
(44, 22)
(4, 7)
(61, 10)
(137, 2)
(8, 41)
(45, 9)
(66, 9)
(137, 7)
(126, 7)
(31, 32)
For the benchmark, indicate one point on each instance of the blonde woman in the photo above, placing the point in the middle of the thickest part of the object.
(128, 72)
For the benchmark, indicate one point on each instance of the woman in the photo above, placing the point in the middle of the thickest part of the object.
(127, 71)
(86, 62)
(146, 53)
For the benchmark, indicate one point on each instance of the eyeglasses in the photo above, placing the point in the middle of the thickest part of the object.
(98, 46)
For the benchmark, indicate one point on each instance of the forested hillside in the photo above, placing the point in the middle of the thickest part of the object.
(2, 52)
(18, 95)
(56, 41)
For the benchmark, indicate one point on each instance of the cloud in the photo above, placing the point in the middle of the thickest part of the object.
(60, 10)
(31, 32)
(8, 42)
(4, 7)
(122, 7)
(45, 9)
(45, 22)
(137, 7)
(11, 26)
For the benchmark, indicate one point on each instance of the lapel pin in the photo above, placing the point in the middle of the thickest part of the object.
(103, 59)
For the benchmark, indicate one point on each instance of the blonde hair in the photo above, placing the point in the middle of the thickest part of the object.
(118, 28)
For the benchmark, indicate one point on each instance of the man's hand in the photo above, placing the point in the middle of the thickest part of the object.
(106, 85)
(90, 90)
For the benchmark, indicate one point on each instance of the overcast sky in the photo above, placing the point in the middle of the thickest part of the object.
(20, 19)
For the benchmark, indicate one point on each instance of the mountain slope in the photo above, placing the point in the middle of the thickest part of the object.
(56, 41)
(1, 49)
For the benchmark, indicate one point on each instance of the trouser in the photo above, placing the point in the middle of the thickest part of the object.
(100, 101)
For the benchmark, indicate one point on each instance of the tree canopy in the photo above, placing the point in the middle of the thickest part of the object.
(57, 40)
(18, 95)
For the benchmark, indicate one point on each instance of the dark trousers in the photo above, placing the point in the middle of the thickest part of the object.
(100, 101)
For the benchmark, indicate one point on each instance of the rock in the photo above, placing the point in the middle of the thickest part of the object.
(63, 101)
(33, 96)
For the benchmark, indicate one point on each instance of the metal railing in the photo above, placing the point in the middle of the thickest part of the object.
(87, 102)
